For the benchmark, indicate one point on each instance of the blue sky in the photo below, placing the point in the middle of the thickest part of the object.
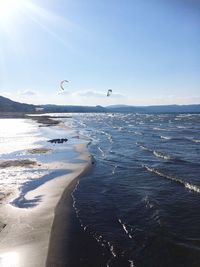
(148, 52)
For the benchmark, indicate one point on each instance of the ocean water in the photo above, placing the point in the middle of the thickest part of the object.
(140, 204)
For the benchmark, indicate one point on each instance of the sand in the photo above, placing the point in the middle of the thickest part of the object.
(17, 163)
(41, 150)
(25, 233)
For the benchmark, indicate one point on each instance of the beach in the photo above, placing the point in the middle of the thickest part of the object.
(39, 168)
(137, 206)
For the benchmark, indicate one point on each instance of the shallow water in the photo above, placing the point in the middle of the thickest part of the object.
(141, 200)
(16, 134)
(17, 138)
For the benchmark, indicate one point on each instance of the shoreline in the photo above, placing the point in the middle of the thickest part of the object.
(30, 233)
(58, 244)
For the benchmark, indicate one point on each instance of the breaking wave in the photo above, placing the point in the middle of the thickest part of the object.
(196, 140)
(125, 228)
(157, 154)
(162, 155)
(165, 137)
(187, 185)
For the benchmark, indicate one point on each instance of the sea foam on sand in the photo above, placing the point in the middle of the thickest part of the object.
(26, 223)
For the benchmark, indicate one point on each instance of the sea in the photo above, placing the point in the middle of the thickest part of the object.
(139, 206)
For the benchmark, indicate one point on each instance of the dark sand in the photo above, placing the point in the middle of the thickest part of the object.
(39, 150)
(12, 115)
(65, 229)
(64, 249)
(17, 163)
(45, 120)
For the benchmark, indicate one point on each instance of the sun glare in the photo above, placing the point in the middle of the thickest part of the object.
(8, 10)
(17, 15)
(10, 259)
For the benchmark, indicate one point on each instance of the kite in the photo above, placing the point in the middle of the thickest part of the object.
(109, 92)
(62, 84)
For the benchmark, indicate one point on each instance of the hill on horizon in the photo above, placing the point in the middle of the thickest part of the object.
(155, 108)
(7, 105)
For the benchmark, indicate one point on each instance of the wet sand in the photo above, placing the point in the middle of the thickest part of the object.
(34, 222)
(68, 239)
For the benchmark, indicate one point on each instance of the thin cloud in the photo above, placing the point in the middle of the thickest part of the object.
(63, 93)
(97, 94)
(90, 94)
(27, 93)
(5, 94)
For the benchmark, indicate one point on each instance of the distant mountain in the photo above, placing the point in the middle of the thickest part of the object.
(7, 105)
(155, 109)
(58, 108)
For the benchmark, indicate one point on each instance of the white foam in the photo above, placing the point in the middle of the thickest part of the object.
(165, 137)
(125, 229)
(102, 152)
(196, 140)
(192, 187)
(131, 263)
(161, 155)
(111, 247)
(187, 185)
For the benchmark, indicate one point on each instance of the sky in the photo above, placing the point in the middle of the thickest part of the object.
(146, 51)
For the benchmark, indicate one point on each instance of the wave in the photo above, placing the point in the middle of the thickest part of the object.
(99, 238)
(159, 129)
(138, 133)
(187, 185)
(105, 244)
(158, 154)
(191, 139)
(165, 137)
(180, 139)
(192, 187)
(111, 247)
(147, 202)
(184, 115)
(196, 140)
(154, 210)
(162, 155)
(114, 169)
(143, 147)
(74, 200)
(125, 229)
(102, 152)
(109, 136)
(131, 263)
(180, 127)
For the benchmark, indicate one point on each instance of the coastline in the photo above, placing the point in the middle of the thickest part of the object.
(29, 234)
(59, 243)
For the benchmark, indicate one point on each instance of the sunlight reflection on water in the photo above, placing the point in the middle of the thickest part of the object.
(17, 134)
(10, 259)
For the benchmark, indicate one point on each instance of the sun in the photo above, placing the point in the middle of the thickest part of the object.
(8, 10)
(17, 15)
(12, 13)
